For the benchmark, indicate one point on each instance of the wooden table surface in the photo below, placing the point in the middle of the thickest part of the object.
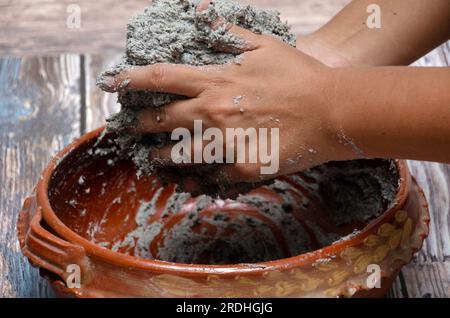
(48, 97)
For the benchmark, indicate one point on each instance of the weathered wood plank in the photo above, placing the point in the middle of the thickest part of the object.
(434, 179)
(39, 114)
(425, 280)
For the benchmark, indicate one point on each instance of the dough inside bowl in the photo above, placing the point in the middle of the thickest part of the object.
(97, 194)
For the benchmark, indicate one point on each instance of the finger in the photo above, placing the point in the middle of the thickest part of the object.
(235, 173)
(190, 153)
(250, 39)
(179, 113)
(194, 152)
(168, 78)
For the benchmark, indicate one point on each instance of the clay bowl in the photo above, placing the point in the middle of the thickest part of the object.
(89, 207)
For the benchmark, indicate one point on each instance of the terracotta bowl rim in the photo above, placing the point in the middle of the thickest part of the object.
(124, 260)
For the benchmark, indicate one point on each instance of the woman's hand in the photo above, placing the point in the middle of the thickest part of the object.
(322, 113)
(273, 86)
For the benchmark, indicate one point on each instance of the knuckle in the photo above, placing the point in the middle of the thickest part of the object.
(218, 113)
(217, 82)
(158, 75)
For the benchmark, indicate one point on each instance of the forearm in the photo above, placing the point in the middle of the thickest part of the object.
(409, 29)
(395, 112)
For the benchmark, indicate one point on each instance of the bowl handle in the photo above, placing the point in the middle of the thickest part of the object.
(48, 251)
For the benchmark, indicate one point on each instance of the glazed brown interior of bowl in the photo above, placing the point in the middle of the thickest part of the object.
(97, 194)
